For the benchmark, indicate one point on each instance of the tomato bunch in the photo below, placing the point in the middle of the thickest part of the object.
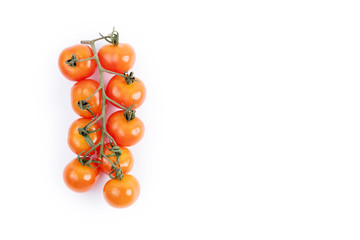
(100, 143)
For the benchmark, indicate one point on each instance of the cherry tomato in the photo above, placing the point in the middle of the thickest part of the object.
(80, 178)
(81, 91)
(126, 160)
(126, 94)
(83, 69)
(77, 142)
(125, 133)
(122, 193)
(120, 58)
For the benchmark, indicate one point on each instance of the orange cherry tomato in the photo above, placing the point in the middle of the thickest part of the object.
(125, 133)
(83, 69)
(77, 142)
(126, 94)
(122, 193)
(81, 91)
(80, 178)
(120, 58)
(126, 160)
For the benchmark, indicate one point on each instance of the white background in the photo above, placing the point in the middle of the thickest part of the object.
(252, 120)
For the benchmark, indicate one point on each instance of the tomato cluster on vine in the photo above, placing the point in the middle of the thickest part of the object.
(100, 143)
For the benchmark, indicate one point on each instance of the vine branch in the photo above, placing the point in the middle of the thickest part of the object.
(113, 38)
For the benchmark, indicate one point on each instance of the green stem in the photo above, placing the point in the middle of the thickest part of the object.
(94, 40)
(87, 153)
(111, 72)
(102, 115)
(92, 44)
(88, 98)
(92, 122)
(85, 59)
(110, 137)
(115, 103)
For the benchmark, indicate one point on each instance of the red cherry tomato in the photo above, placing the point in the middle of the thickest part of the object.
(126, 160)
(122, 193)
(81, 91)
(83, 69)
(80, 178)
(125, 133)
(120, 58)
(126, 94)
(77, 142)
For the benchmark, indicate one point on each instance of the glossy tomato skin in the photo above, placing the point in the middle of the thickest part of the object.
(122, 193)
(77, 142)
(120, 58)
(80, 178)
(83, 69)
(126, 160)
(125, 133)
(81, 91)
(126, 94)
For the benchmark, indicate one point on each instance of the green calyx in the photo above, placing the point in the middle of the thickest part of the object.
(115, 166)
(72, 61)
(86, 161)
(112, 38)
(85, 105)
(129, 78)
(129, 113)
